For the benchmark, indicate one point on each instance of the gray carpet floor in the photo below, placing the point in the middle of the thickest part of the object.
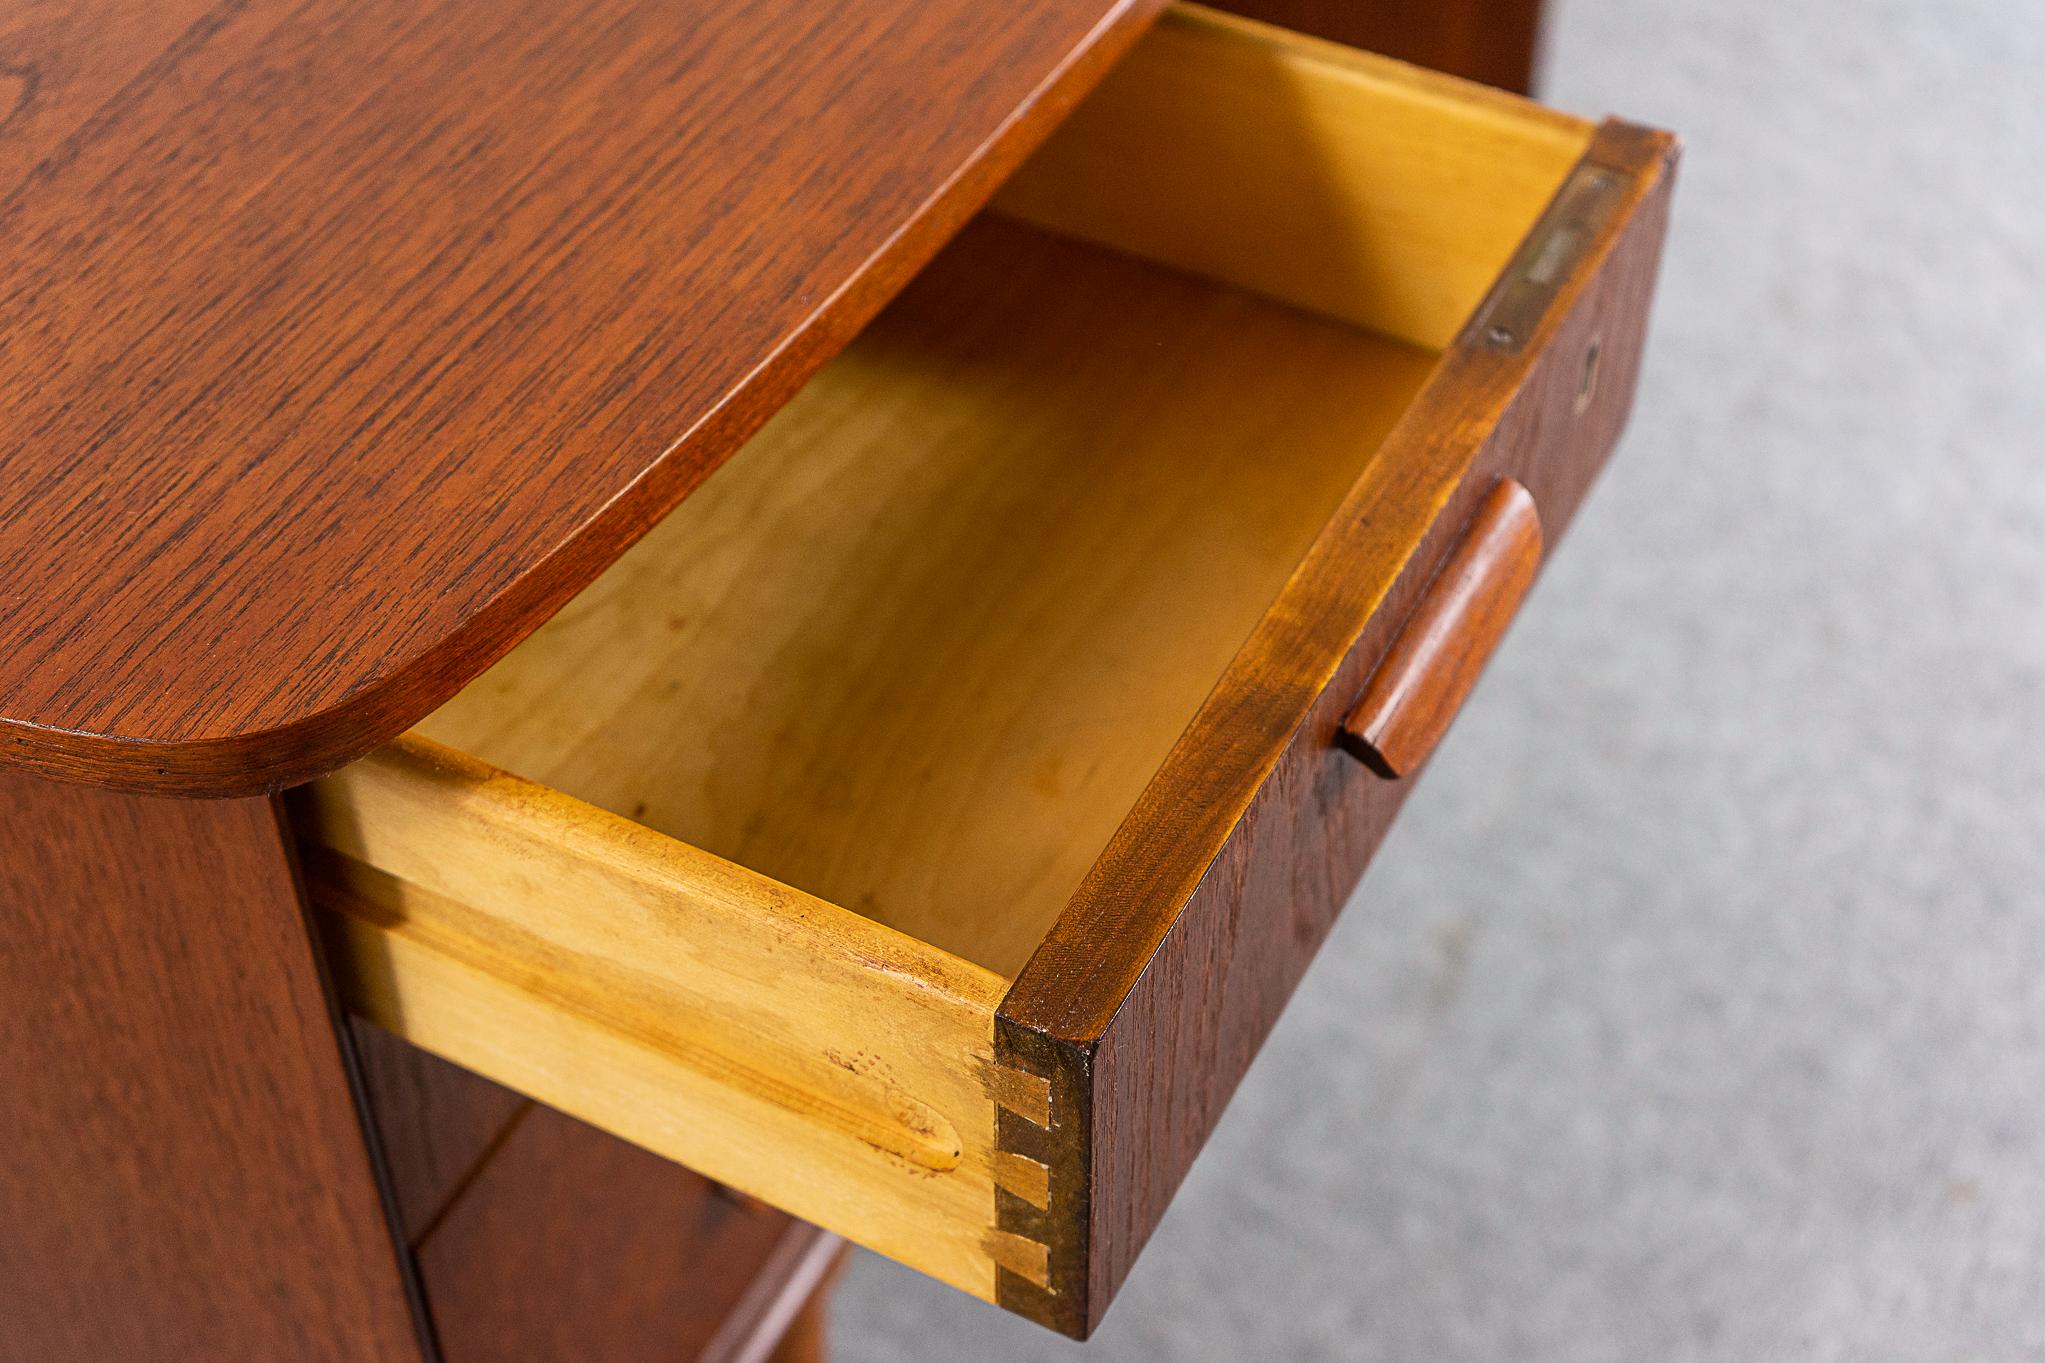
(1696, 1008)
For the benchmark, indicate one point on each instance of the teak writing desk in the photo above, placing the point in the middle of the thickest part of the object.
(1140, 430)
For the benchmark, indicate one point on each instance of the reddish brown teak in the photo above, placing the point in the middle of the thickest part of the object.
(347, 341)
(1408, 702)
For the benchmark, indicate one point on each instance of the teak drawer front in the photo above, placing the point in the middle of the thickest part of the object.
(923, 827)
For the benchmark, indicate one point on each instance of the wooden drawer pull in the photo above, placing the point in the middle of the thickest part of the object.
(1415, 692)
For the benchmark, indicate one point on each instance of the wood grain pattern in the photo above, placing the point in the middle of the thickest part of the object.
(1336, 181)
(61, 62)
(835, 667)
(186, 1174)
(571, 1245)
(418, 365)
(1153, 993)
(776, 1043)
(349, 339)
(1410, 700)
(1497, 42)
(917, 649)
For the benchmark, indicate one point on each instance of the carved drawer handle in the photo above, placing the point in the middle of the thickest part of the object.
(1442, 648)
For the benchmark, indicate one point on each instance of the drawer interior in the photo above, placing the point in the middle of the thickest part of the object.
(738, 855)
(919, 646)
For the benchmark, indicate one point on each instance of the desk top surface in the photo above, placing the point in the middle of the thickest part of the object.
(344, 340)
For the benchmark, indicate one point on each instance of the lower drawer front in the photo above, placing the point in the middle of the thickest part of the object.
(921, 829)
(540, 1239)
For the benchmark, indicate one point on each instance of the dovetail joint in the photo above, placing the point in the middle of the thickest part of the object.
(1027, 1178)
(1023, 1180)
(1025, 1094)
(1026, 1258)
(1042, 1205)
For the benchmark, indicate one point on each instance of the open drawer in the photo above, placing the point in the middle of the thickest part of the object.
(923, 826)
